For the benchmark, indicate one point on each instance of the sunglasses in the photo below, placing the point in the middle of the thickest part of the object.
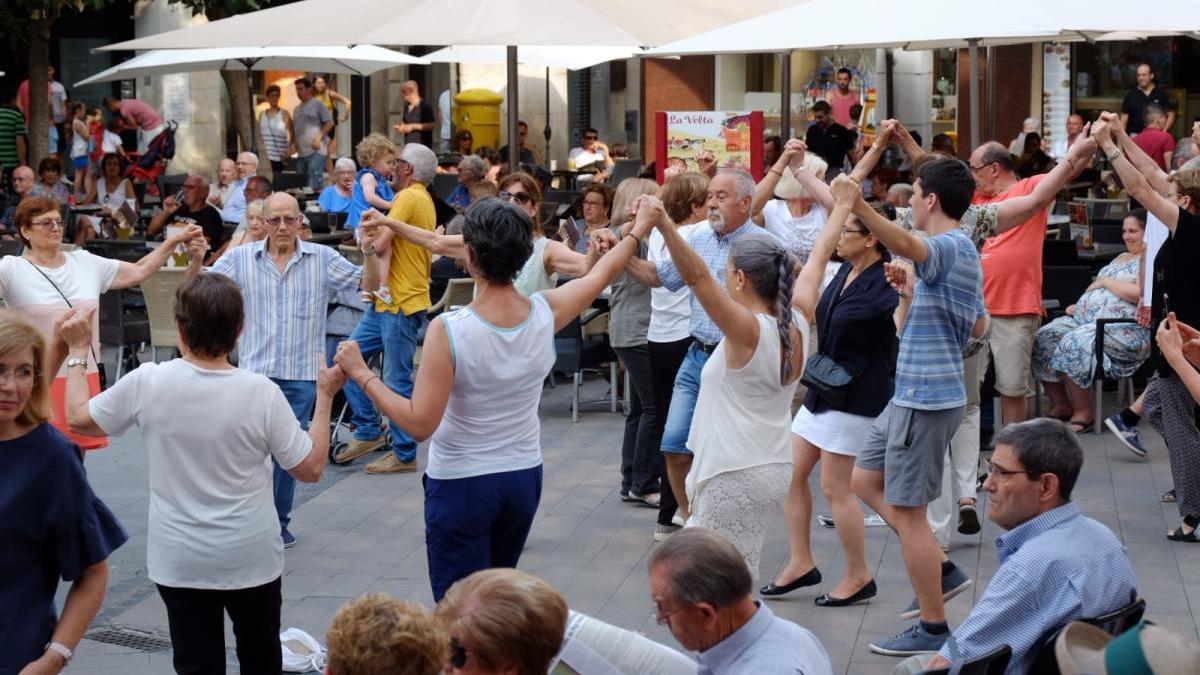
(519, 197)
(458, 654)
(289, 220)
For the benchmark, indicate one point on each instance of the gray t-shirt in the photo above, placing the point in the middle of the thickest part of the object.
(307, 120)
(629, 316)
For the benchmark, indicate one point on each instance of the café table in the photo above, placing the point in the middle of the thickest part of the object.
(1100, 254)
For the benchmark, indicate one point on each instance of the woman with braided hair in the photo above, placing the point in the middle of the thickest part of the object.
(739, 433)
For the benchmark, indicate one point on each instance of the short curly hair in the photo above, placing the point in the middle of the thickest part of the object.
(377, 634)
(370, 149)
(682, 193)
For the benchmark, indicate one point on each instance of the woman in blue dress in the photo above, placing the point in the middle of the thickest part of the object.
(1064, 357)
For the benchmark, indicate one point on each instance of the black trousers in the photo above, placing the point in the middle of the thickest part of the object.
(197, 620)
(641, 462)
(665, 359)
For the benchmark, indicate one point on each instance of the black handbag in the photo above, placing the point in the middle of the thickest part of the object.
(100, 369)
(822, 374)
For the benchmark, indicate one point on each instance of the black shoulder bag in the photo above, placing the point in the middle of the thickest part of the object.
(822, 374)
(99, 364)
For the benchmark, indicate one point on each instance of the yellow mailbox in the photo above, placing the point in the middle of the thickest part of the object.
(478, 110)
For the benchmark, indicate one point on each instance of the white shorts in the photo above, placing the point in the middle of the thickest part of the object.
(833, 430)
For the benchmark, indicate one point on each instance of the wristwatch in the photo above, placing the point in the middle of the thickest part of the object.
(75, 361)
(60, 649)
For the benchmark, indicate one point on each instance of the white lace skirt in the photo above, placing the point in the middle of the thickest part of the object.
(738, 503)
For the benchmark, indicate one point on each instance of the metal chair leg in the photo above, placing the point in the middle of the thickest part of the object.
(575, 396)
(120, 361)
(1098, 400)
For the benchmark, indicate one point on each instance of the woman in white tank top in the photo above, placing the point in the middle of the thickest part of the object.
(739, 435)
(477, 393)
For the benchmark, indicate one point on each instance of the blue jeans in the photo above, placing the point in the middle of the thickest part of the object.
(312, 166)
(396, 336)
(301, 395)
(476, 523)
(683, 401)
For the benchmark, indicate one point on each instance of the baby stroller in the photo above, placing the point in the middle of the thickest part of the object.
(147, 166)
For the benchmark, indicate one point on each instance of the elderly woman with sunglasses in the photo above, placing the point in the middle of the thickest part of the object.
(540, 272)
(52, 525)
(44, 282)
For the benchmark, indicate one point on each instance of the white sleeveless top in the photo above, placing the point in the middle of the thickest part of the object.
(274, 134)
(742, 416)
(114, 198)
(533, 277)
(491, 420)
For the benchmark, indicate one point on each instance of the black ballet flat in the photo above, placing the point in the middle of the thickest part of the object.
(865, 593)
(810, 578)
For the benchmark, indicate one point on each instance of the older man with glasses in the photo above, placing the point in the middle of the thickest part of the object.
(235, 206)
(190, 207)
(287, 284)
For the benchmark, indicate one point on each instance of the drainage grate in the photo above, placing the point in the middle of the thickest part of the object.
(127, 637)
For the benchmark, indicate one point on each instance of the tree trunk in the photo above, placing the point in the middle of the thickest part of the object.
(39, 99)
(243, 123)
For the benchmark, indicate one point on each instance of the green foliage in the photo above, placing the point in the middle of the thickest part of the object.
(217, 9)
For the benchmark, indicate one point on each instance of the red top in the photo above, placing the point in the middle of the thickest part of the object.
(1154, 142)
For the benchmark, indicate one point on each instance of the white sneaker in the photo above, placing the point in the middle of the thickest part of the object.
(664, 532)
(873, 520)
(678, 520)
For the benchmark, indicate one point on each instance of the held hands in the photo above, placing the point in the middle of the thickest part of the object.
(602, 240)
(350, 361)
(650, 213)
(845, 190)
(198, 247)
(329, 380)
(75, 328)
(793, 152)
(902, 277)
(190, 232)
(1102, 131)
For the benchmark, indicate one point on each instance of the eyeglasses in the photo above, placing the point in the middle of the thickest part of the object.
(850, 230)
(458, 654)
(519, 197)
(663, 618)
(48, 223)
(246, 163)
(290, 221)
(22, 375)
(981, 167)
(1005, 473)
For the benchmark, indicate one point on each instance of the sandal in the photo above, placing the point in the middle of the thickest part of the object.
(1081, 426)
(1168, 497)
(1180, 535)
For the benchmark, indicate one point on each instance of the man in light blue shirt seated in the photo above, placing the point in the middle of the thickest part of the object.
(701, 590)
(1056, 565)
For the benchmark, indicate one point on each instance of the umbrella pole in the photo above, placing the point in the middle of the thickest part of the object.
(514, 151)
(249, 63)
(973, 73)
(785, 103)
(547, 132)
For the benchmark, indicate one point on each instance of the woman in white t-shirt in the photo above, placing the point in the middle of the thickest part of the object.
(43, 282)
(213, 543)
(785, 208)
(478, 389)
(742, 461)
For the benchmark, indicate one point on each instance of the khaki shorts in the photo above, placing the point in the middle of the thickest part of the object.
(1012, 353)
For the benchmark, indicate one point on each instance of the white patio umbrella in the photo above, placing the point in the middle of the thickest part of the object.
(612, 23)
(571, 58)
(928, 24)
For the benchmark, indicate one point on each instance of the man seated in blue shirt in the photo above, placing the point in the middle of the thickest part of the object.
(1056, 565)
(701, 590)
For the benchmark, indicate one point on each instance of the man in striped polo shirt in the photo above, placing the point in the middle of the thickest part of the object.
(13, 144)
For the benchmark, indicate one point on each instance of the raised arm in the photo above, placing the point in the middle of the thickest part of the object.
(866, 165)
(573, 297)
(1135, 181)
(132, 274)
(815, 185)
(1144, 163)
(907, 143)
(765, 190)
(561, 259)
(1013, 212)
(895, 238)
(442, 244)
(807, 289)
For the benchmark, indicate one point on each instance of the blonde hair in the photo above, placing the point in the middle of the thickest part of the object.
(682, 193)
(627, 192)
(17, 334)
(377, 634)
(791, 188)
(505, 618)
(1187, 184)
(370, 149)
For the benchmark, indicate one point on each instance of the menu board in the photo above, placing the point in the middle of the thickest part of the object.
(1056, 91)
(736, 138)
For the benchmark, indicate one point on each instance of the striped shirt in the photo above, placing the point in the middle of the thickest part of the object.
(715, 252)
(1055, 568)
(284, 333)
(12, 125)
(948, 299)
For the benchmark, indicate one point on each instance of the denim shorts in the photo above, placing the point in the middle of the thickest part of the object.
(683, 402)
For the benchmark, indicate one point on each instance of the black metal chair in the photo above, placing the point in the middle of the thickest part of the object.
(624, 168)
(1059, 253)
(1106, 233)
(1113, 623)
(574, 353)
(992, 663)
(1124, 384)
(288, 180)
(1064, 284)
(124, 324)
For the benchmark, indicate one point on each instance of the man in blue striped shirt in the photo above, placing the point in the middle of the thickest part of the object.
(1056, 565)
(287, 285)
(899, 469)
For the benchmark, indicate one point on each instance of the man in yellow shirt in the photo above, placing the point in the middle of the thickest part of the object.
(392, 327)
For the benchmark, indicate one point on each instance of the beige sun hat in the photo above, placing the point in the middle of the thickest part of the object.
(790, 188)
(1145, 649)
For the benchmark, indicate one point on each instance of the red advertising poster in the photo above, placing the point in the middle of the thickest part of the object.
(736, 138)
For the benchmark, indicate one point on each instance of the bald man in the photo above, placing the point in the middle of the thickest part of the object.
(23, 179)
(419, 119)
(235, 205)
(287, 285)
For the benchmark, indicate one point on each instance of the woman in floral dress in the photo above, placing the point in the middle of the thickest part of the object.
(1064, 356)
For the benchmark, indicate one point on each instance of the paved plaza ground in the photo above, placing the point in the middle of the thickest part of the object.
(360, 533)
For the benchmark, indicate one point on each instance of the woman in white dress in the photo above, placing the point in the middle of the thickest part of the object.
(739, 434)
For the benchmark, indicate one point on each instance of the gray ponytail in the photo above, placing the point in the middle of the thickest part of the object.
(771, 270)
